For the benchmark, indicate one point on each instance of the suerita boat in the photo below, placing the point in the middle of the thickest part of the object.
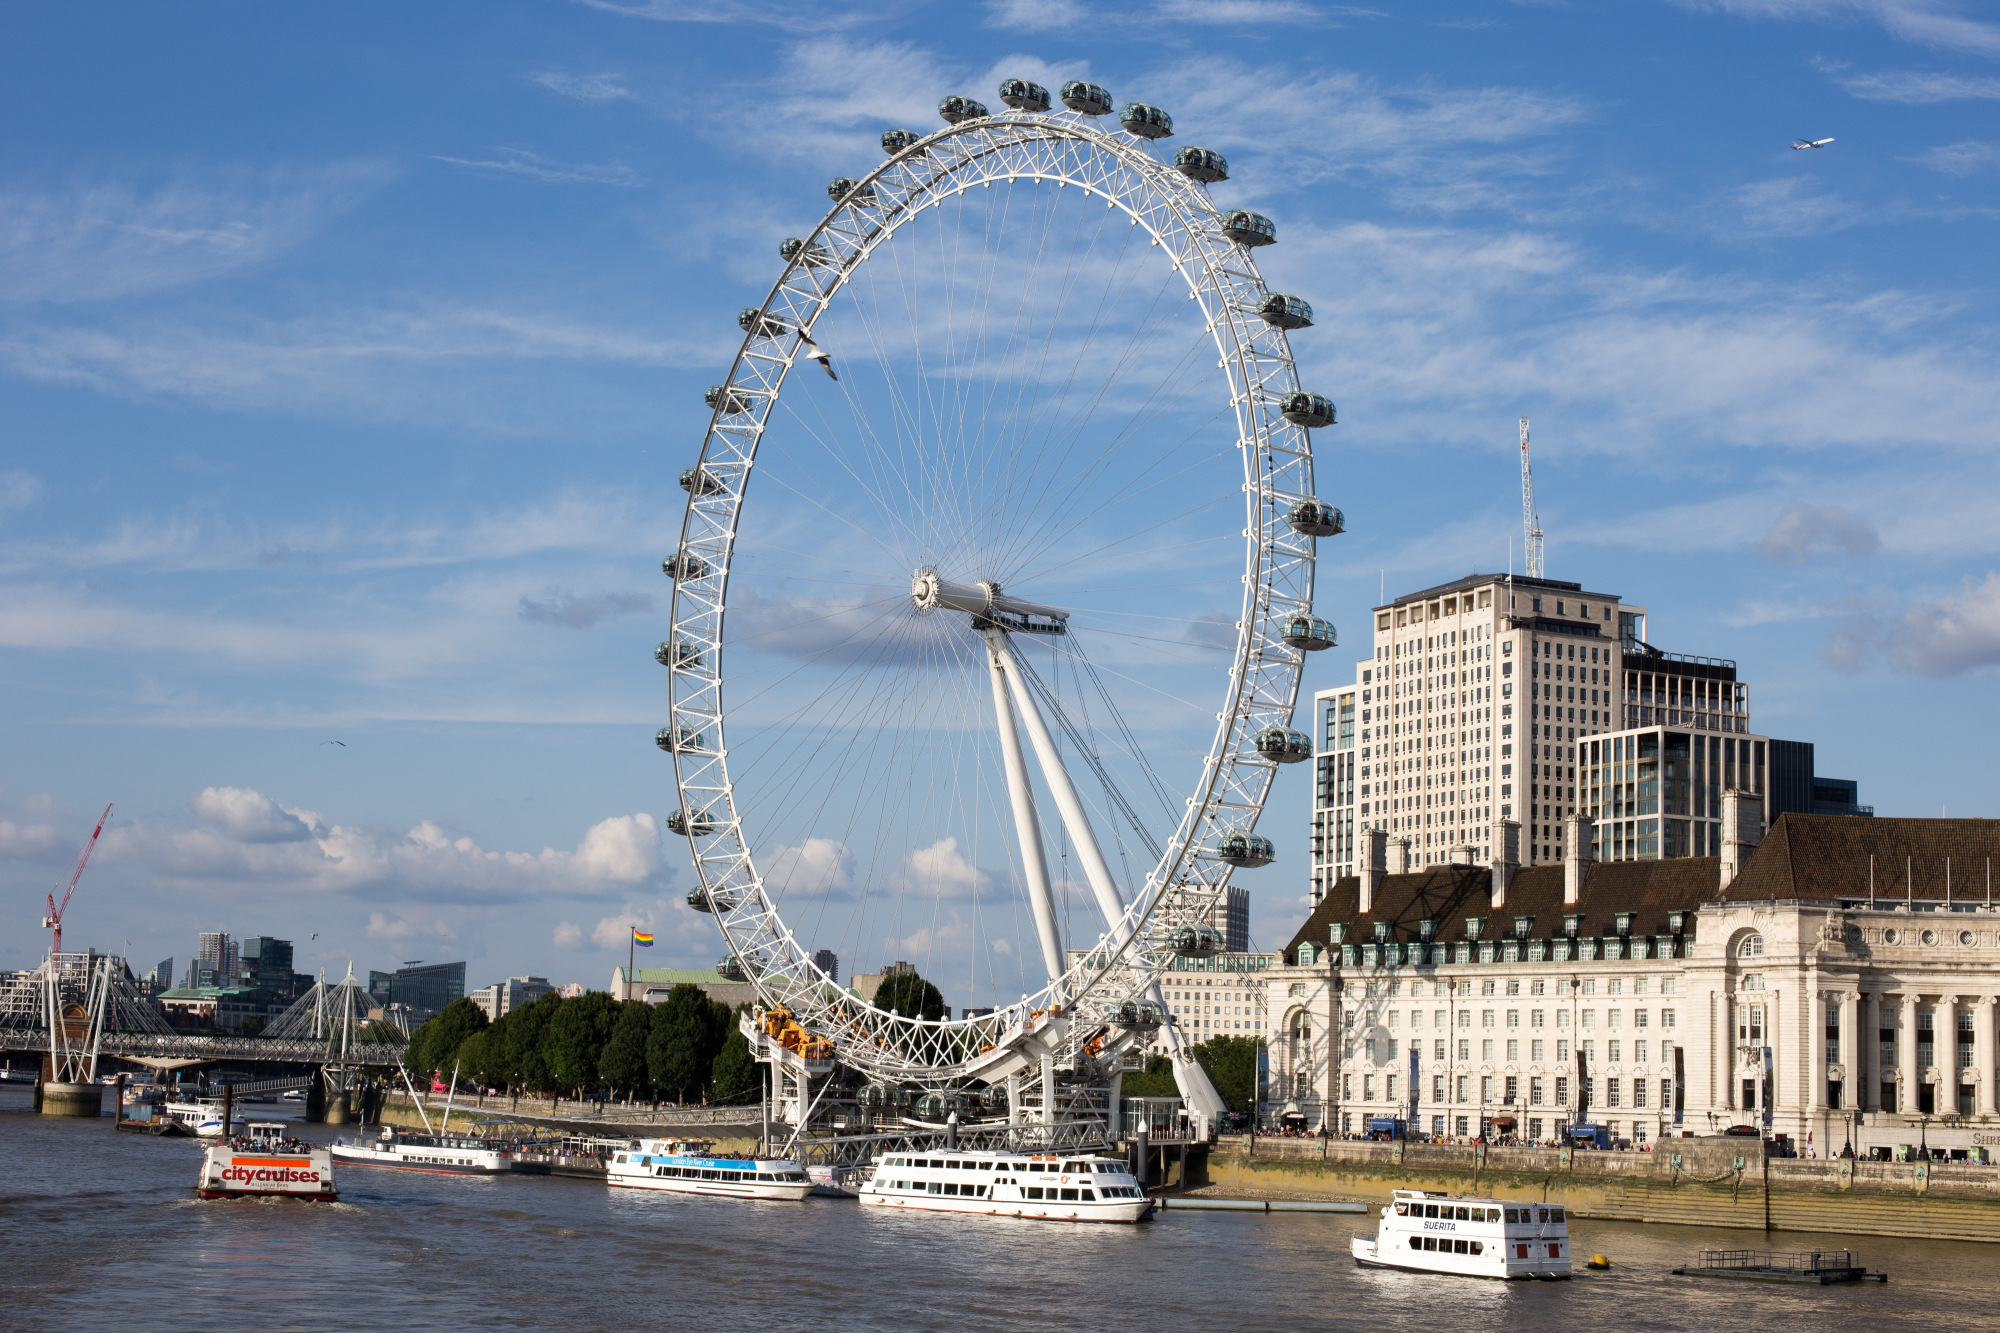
(266, 1160)
(204, 1118)
(457, 1154)
(1069, 1188)
(681, 1166)
(1435, 1233)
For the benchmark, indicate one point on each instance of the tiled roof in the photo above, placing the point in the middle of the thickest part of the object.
(1829, 856)
(1449, 894)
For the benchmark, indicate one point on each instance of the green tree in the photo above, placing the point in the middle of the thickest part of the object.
(1231, 1064)
(734, 1078)
(577, 1036)
(252, 1026)
(527, 1042)
(488, 1056)
(910, 995)
(1156, 1080)
(622, 1067)
(385, 1034)
(434, 1048)
(686, 1037)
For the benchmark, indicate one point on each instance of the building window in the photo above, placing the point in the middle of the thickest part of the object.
(1611, 1092)
(1535, 1093)
(1562, 1092)
(1751, 947)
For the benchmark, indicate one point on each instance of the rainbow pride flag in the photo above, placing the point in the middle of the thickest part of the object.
(643, 938)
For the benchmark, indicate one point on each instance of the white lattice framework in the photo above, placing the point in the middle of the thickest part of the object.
(1068, 150)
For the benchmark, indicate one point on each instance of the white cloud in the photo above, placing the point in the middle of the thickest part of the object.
(250, 816)
(521, 162)
(819, 868)
(576, 611)
(1919, 22)
(97, 240)
(1952, 635)
(1803, 531)
(1919, 87)
(585, 87)
(244, 839)
(568, 935)
(1035, 15)
(18, 489)
(26, 841)
(941, 871)
(1787, 207)
(1965, 158)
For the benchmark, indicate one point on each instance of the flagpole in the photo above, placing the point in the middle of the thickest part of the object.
(631, 942)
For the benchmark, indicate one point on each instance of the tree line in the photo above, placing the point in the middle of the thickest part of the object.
(686, 1049)
(1231, 1065)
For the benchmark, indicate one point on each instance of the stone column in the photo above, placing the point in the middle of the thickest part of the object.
(1982, 1053)
(1850, 1052)
(1868, 1052)
(1823, 1004)
(1906, 1053)
(1944, 1047)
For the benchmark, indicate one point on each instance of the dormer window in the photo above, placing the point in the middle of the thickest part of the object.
(1522, 925)
(1676, 922)
(1573, 924)
(1472, 925)
(1624, 923)
(1339, 932)
(1381, 930)
(1427, 929)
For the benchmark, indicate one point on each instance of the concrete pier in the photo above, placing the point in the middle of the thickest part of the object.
(73, 1099)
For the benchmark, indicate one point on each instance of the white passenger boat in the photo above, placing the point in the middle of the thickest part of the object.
(682, 1166)
(266, 1160)
(1069, 1188)
(1435, 1233)
(204, 1118)
(456, 1154)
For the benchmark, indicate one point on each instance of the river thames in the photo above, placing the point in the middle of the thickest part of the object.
(103, 1231)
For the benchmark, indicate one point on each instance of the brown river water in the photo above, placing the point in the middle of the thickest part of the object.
(102, 1231)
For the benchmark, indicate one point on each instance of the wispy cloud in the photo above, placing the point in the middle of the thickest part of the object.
(585, 87)
(578, 611)
(1965, 158)
(93, 240)
(1786, 207)
(1804, 531)
(533, 166)
(1920, 87)
(1944, 636)
(1919, 22)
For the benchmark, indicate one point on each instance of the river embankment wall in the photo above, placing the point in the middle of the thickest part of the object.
(1715, 1182)
(733, 1138)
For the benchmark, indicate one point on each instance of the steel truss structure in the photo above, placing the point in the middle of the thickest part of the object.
(1068, 151)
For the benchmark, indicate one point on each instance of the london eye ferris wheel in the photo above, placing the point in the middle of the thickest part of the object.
(993, 590)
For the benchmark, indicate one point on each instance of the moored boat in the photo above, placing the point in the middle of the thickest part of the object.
(1068, 1187)
(207, 1117)
(266, 1161)
(1436, 1233)
(683, 1166)
(454, 1154)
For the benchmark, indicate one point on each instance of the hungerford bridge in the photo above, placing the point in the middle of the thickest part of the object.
(79, 1007)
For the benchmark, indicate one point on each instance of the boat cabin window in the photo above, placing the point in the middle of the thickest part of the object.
(1403, 1210)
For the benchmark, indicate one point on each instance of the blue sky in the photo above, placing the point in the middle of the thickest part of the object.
(348, 357)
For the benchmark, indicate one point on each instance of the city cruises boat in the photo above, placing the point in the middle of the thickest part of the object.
(456, 1154)
(682, 1166)
(1064, 1187)
(1435, 1233)
(204, 1118)
(266, 1160)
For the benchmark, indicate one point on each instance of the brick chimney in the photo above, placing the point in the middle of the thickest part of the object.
(1742, 830)
(1506, 858)
(1374, 864)
(1461, 855)
(1577, 831)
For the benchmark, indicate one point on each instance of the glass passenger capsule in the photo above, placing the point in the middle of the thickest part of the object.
(698, 481)
(678, 653)
(792, 248)
(1246, 850)
(1310, 410)
(1283, 745)
(956, 109)
(1249, 229)
(686, 740)
(720, 394)
(1199, 164)
(1316, 519)
(688, 826)
(1023, 95)
(1195, 941)
(757, 322)
(895, 141)
(1148, 122)
(1285, 312)
(729, 969)
(1133, 1014)
(1310, 633)
(933, 1106)
(873, 1096)
(1087, 98)
(843, 190)
(684, 566)
(698, 900)
(993, 1097)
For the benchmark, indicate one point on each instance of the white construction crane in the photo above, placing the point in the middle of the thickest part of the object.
(1531, 523)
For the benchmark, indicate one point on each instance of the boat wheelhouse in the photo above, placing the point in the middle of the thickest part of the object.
(1062, 1187)
(453, 1154)
(1436, 1233)
(683, 1166)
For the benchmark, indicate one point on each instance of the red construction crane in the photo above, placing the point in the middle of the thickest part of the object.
(54, 919)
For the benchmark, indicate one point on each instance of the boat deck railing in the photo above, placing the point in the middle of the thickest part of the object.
(1803, 1261)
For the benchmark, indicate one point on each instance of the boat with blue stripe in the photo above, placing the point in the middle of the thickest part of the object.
(685, 1166)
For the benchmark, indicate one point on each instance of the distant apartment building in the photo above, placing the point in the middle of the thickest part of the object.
(423, 989)
(504, 997)
(827, 961)
(215, 960)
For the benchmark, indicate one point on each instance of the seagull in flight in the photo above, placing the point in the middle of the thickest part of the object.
(1800, 145)
(825, 361)
(341, 744)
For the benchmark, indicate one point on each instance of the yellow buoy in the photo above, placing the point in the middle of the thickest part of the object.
(1598, 1261)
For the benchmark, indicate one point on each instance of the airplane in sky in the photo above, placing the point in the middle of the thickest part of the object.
(1803, 144)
